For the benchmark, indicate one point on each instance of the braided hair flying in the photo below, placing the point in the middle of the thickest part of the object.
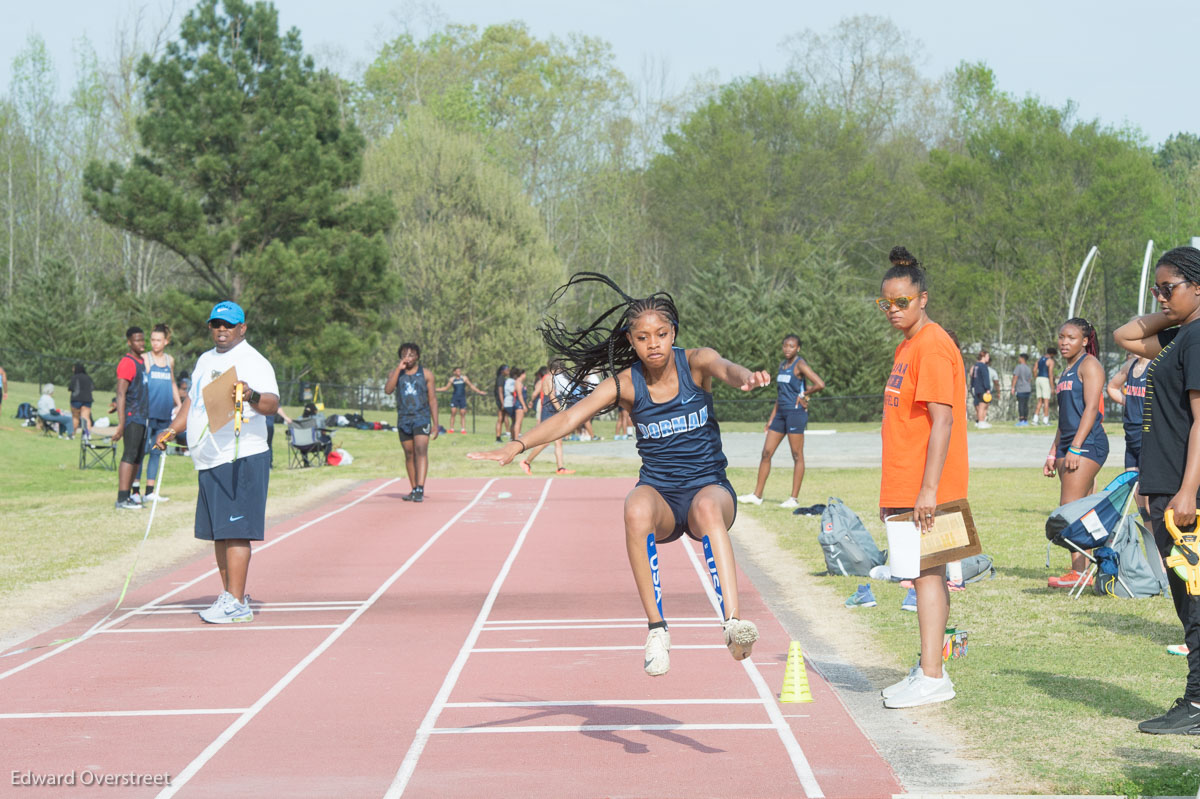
(601, 348)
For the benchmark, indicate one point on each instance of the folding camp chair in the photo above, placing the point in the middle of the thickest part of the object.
(1089, 523)
(97, 453)
(304, 445)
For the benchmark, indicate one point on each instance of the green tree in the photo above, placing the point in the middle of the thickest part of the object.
(246, 171)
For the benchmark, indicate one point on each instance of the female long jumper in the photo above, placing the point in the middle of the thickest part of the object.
(682, 486)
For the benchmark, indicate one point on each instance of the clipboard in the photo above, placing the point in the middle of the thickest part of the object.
(953, 536)
(218, 399)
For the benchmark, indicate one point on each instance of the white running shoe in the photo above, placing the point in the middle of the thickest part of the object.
(217, 602)
(161, 498)
(228, 611)
(658, 652)
(983, 425)
(896, 687)
(740, 636)
(750, 499)
(790, 502)
(922, 690)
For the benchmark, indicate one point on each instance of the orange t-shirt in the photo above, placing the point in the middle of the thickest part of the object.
(927, 368)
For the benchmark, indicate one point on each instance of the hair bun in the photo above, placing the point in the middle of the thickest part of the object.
(900, 256)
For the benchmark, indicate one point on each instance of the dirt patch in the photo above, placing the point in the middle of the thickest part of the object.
(45, 605)
(923, 748)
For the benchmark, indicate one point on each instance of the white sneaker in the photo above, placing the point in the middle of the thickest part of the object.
(658, 652)
(740, 636)
(790, 502)
(983, 425)
(228, 611)
(150, 498)
(750, 499)
(217, 602)
(922, 690)
(896, 687)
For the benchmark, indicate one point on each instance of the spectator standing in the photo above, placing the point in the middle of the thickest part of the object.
(52, 415)
(233, 470)
(498, 395)
(1042, 386)
(458, 384)
(1022, 387)
(981, 388)
(163, 398)
(133, 407)
(81, 388)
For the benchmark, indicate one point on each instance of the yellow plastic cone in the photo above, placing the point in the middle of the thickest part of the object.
(795, 677)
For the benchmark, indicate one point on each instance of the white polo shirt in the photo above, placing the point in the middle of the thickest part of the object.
(211, 449)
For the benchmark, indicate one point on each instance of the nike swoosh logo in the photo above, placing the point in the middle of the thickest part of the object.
(689, 399)
(236, 518)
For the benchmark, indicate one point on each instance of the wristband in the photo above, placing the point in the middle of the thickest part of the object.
(253, 397)
(522, 443)
(1074, 451)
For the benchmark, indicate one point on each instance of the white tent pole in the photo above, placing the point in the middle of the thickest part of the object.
(1079, 280)
(1145, 275)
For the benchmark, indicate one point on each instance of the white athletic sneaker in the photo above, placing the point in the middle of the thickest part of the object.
(750, 499)
(895, 688)
(983, 425)
(161, 498)
(740, 636)
(216, 602)
(230, 610)
(790, 502)
(922, 690)
(658, 652)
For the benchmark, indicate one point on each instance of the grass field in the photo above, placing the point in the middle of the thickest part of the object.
(1051, 691)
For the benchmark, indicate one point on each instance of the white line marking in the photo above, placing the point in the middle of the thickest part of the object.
(64, 647)
(211, 627)
(640, 625)
(637, 648)
(100, 714)
(190, 770)
(262, 609)
(255, 603)
(804, 771)
(601, 728)
(409, 764)
(608, 703)
(641, 619)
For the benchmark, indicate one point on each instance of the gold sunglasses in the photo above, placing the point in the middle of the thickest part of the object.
(885, 304)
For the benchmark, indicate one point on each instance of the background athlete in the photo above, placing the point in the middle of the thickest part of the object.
(682, 486)
(795, 381)
(416, 415)
(459, 383)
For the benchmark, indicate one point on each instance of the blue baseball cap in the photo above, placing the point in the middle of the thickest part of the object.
(229, 312)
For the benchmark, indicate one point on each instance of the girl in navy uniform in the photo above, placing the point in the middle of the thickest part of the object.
(1080, 445)
(459, 383)
(1041, 386)
(416, 415)
(796, 381)
(667, 390)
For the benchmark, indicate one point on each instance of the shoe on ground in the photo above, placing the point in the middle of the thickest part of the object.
(418, 494)
(910, 601)
(862, 598)
(750, 499)
(740, 636)
(1178, 649)
(136, 499)
(564, 470)
(127, 504)
(410, 496)
(789, 503)
(151, 497)
(525, 467)
(1182, 719)
(1067, 580)
(896, 687)
(983, 425)
(464, 431)
(658, 652)
(954, 587)
(217, 602)
(922, 690)
(229, 611)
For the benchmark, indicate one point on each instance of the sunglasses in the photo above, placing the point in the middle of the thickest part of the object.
(1164, 291)
(902, 303)
(221, 324)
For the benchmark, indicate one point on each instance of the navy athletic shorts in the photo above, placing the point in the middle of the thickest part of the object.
(1095, 447)
(460, 404)
(410, 426)
(792, 421)
(1133, 452)
(680, 502)
(232, 500)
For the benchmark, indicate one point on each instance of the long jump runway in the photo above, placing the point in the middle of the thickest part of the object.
(468, 646)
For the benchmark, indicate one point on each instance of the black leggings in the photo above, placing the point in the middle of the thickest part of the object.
(1187, 607)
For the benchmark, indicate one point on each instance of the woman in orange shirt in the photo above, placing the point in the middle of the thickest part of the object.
(924, 456)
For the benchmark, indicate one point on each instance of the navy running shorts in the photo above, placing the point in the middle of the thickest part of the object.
(1133, 452)
(680, 502)
(411, 426)
(232, 499)
(792, 421)
(1095, 447)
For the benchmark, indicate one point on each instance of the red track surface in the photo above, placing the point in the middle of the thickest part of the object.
(467, 646)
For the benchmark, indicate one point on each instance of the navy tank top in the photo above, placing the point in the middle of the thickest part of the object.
(137, 402)
(161, 400)
(679, 440)
(1070, 404)
(412, 395)
(460, 390)
(791, 387)
(1135, 402)
(1043, 369)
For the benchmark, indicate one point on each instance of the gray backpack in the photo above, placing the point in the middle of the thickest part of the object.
(846, 543)
(1138, 563)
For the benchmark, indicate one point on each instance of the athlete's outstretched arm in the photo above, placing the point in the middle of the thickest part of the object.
(474, 387)
(709, 364)
(563, 422)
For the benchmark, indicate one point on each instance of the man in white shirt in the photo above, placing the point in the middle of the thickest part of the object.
(231, 506)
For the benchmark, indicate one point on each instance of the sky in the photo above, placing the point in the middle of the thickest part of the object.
(1122, 63)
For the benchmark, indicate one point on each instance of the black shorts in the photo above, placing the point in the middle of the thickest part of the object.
(460, 404)
(135, 443)
(409, 427)
(511, 413)
(232, 499)
(680, 502)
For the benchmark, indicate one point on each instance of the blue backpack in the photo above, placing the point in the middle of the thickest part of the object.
(24, 411)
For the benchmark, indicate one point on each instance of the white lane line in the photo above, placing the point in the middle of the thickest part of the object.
(103, 714)
(608, 703)
(640, 625)
(578, 728)
(262, 609)
(637, 648)
(183, 587)
(190, 770)
(641, 619)
(409, 764)
(800, 763)
(255, 603)
(209, 628)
